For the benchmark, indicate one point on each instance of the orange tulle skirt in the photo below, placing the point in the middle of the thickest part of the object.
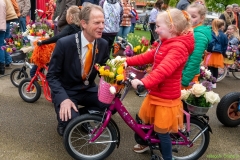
(166, 115)
(214, 60)
(195, 80)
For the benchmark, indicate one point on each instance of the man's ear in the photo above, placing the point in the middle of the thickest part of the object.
(83, 24)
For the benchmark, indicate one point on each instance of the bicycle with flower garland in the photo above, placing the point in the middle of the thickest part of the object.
(95, 135)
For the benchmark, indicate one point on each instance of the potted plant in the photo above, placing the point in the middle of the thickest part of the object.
(200, 98)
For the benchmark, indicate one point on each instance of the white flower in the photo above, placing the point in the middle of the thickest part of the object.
(39, 10)
(118, 58)
(33, 26)
(15, 42)
(208, 73)
(41, 30)
(112, 61)
(185, 94)
(198, 90)
(212, 97)
(28, 26)
(202, 68)
(25, 34)
(47, 35)
(112, 90)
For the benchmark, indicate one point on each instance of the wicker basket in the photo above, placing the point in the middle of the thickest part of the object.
(104, 94)
(139, 74)
(197, 110)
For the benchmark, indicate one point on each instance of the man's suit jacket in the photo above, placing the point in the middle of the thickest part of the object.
(64, 72)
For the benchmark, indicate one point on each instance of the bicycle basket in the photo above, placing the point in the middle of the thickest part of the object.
(104, 94)
(18, 57)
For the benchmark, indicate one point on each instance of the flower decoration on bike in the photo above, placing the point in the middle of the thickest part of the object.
(17, 41)
(112, 72)
(232, 52)
(41, 27)
(206, 75)
(200, 96)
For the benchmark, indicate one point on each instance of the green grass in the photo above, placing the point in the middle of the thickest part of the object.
(143, 33)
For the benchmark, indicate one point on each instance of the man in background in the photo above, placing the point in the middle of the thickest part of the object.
(24, 6)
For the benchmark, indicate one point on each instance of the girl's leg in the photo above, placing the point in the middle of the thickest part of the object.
(152, 27)
(120, 32)
(166, 145)
(126, 30)
(214, 71)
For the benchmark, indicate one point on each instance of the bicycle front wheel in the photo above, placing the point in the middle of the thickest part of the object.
(17, 75)
(199, 146)
(78, 133)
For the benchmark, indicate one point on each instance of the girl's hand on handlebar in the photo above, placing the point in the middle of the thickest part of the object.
(135, 83)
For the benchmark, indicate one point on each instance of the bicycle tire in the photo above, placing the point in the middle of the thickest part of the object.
(74, 134)
(22, 87)
(199, 150)
(235, 74)
(15, 72)
(229, 101)
(219, 78)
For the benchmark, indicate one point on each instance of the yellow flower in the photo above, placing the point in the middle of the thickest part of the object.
(120, 77)
(106, 72)
(18, 44)
(30, 31)
(143, 49)
(120, 70)
(101, 71)
(138, 47)
(9, 50)
(135, 49)
(111, 74)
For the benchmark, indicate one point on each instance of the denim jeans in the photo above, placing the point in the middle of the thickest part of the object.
(2, 54)
(124, 30)
(33, 70)
(132, 27)
(166, 146)
(22, 23)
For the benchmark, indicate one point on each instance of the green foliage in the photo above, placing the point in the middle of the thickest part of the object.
(198, 101)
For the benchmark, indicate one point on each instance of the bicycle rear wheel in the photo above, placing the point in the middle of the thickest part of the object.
(76, 138)
(199, 146)
(17, 76)
(236, 74)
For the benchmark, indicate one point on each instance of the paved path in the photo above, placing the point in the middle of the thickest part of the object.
(28, 131)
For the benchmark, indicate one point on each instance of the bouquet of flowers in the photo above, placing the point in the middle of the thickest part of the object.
(231, 52)
(200, 96)
(140, 45)
(17, 41)
(206, 75)
(41, 27)
(112, 72)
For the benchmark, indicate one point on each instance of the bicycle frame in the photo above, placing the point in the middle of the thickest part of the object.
(126, 116)
(45, 86)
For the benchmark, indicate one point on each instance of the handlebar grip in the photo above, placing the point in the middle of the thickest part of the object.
(140, 88)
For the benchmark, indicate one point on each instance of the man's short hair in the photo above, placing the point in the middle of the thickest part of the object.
(235, 5)
(229, 6)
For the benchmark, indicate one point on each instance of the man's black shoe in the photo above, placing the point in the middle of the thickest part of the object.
(60, 130)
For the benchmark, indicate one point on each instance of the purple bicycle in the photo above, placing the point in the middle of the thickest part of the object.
(95, 135)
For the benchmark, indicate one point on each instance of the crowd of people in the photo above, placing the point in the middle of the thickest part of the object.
(87, 33)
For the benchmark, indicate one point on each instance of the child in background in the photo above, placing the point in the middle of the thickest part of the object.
(233, 41)
(215, 59)
(162, 106)
(133, 19)
(72, 18)
(202, 36)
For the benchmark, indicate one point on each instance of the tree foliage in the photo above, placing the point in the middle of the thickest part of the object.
(212, 5)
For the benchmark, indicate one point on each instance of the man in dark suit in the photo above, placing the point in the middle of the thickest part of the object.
(71, 84)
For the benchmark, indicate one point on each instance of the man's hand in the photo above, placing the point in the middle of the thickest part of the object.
(65, 109)
(135, 83)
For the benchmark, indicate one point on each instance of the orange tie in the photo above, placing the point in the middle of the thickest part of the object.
(88, 60)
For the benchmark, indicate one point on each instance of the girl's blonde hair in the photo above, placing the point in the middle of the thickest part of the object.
(179, 20)
(236, 31)
(216, 25)
(202, 9)
(73, 13)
